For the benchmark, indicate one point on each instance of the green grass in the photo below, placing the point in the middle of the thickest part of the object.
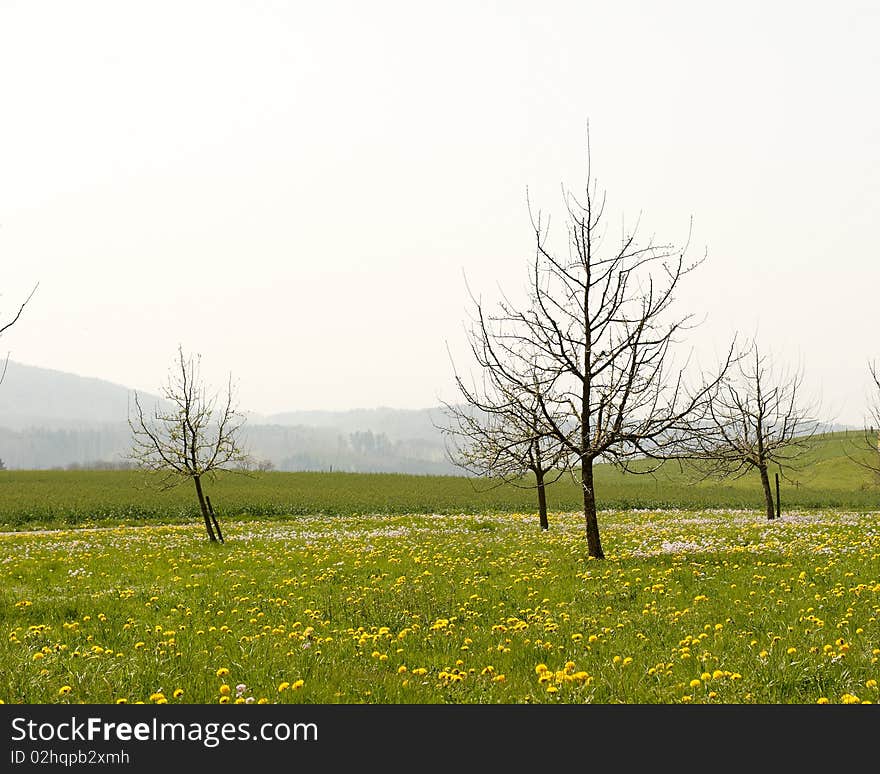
(30, 499)
(694, 607)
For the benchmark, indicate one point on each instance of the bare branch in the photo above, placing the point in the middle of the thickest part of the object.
(7, 325)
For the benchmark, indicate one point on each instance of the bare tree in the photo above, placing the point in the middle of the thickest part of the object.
(598, 331)
(4, 326)
(757, 419)
(194, 437)
(500, 431)
(866, 451)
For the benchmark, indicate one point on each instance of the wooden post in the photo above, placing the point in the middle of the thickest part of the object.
(777, 496)
(217, 526)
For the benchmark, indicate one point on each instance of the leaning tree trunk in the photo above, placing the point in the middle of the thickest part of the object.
(204, 507)
(768, 494)
(542, 499)
(594, 544)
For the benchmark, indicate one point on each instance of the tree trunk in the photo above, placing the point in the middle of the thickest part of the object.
(768, 493)
(204, 508)
(594, 545)
(542, 499)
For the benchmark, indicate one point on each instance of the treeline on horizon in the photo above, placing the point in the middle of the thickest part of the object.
(294, 448)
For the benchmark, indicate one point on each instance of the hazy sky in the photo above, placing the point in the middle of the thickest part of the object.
(296, 190)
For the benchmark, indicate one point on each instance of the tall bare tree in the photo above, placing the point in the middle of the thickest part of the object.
(195, 436)
(599, 320)
(499, 431)
(757, 419)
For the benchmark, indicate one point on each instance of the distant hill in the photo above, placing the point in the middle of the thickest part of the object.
(395, 423)
(54, 419)
(42, 397)
(51, 419)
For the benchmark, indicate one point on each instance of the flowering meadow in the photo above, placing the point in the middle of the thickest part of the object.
(707, 606)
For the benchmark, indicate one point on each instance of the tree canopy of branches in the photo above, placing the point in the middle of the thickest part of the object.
(756, 420)
(500, 430)
(194, 437)
(599, 334)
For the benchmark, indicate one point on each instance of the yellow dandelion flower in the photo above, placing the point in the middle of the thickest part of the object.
(297, 685)
(871, 684)
(552, 689)
(224, 700)
(222, 672)
(282, 687)
(225, 690)
(122, 701)
(178, 692)
(64, 690)
(695, 683)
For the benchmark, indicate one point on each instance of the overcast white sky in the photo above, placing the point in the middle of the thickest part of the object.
(295, 190)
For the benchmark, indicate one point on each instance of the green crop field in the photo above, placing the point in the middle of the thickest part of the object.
(30, 499)
(343, 588)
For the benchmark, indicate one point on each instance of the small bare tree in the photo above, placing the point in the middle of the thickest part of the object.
(599, 321)
(194, 437)
(866, 451)
(757, 419)
(500, 432)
